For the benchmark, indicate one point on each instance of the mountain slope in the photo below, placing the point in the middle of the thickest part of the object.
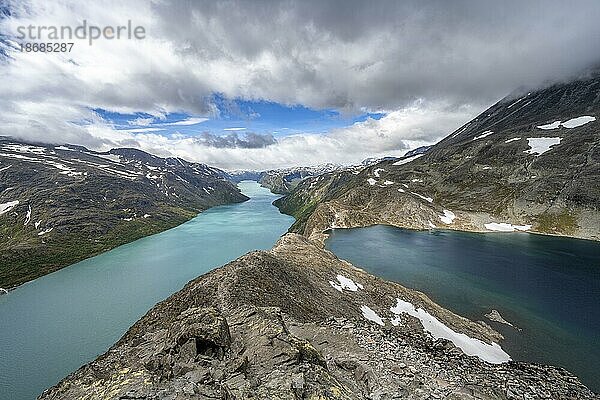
(527, 163)
(297, 323)
(61, 204)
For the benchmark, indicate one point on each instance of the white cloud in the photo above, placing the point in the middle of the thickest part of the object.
(458, 58)
(134, 130)
(234, 129)
(141, 121)
(392, 135)
(189, 121)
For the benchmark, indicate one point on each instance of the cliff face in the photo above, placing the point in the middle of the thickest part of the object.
(296, 322)
(530, 162)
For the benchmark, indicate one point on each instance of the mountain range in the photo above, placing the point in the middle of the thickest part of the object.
(282, 180)
(531, 162)
(61, 204)
(297, 322)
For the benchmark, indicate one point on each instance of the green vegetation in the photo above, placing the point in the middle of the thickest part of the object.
(23, 262)
(297, 209)
(564, 223)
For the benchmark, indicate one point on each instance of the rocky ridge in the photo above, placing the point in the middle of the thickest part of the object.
(298, 323)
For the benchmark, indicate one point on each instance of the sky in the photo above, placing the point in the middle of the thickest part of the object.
(269, 84)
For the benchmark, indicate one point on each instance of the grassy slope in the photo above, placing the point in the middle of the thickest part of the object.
(22, 263)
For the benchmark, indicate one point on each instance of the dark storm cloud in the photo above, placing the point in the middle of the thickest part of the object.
(430, 65)
(385, 54)
(248, 140)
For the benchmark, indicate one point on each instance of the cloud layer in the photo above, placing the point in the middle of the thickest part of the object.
(430, 65)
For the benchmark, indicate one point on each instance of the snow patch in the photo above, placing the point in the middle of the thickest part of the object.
(64, 148)
(461, 131)
(553, 125)
(387, 183)
(448, 217)
(484, 134)
(371, 315)
(579, 121)
(541, 145)
(28, 216)
(569, 124)
(6, 207)
(371, 181)
(345, 283)
(505, 227)
(376, 172)
(491, 353)
(407, 160)
(512, 140)
(515, 102)
(45, 231)
(25, 149)
(429, 199)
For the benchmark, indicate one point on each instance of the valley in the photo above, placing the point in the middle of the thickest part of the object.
(55, 323)
(500, 173)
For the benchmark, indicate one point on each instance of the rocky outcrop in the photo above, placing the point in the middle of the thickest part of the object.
(530, 162)
(298, 323)
(61, 204)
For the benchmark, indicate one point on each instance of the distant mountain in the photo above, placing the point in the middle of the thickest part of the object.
(243, 175)
(283, 180)
(529, 162)
(61, 204)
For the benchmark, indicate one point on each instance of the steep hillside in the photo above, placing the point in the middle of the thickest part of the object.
(298, 323)
(61, 204)
(530, 162)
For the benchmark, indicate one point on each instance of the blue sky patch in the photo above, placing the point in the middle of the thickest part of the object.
(240, 116)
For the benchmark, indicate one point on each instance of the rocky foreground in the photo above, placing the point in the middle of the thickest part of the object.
(298, 323)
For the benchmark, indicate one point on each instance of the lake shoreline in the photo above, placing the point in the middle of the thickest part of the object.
(369, 257)
(55, 323)
(358, 338)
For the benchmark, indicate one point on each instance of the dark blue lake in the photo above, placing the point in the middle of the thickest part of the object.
(549, 287)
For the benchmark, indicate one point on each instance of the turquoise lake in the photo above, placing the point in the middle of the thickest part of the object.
(548, 287)
(51, 326)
